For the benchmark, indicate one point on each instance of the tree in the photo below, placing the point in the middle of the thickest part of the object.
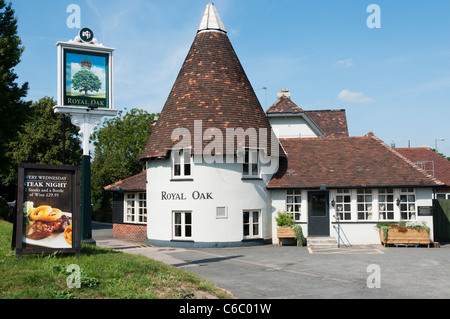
(118, 144)
(41, 140)
(85, 80)
(13, 109)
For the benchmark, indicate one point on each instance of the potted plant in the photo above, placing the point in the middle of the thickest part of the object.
(287, 228)
(404, 233)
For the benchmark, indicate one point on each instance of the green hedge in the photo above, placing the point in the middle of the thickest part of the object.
(441, 220)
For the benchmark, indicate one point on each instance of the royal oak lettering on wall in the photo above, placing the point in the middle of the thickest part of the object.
(196, 195)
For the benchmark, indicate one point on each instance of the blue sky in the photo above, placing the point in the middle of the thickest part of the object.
(393, 80)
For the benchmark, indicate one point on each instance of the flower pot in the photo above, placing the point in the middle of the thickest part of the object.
(405, 237)
(285, 232)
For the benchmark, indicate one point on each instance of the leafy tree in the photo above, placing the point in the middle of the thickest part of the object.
(13, 109)
(85, 80)
(118, 144)
(41, 140)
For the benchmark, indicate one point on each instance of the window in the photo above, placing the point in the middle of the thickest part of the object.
(343, 204)
(135, 208)
(294, 203)
(181, 163)
(221, 212)
(407, 203)
(364, 204)
(252, 224)
(386, 203)
(182, 225)
(250, 167)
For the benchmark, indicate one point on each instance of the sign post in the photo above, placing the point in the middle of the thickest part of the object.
(85, 92)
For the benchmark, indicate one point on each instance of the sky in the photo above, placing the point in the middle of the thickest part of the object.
(388, 66)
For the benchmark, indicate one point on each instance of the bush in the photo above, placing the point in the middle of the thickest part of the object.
(284, 219)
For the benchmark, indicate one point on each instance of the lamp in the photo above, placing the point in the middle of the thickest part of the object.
(333, 202)
(397, 201)
(435, 143)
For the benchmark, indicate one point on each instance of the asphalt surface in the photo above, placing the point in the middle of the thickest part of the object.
(290, 272)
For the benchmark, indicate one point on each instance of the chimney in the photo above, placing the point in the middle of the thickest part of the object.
(285, 93)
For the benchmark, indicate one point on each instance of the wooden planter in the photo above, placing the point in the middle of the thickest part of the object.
(286, 232)
(407, 237)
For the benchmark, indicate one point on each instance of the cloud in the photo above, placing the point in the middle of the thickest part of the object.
(344, 63)
(354, 97)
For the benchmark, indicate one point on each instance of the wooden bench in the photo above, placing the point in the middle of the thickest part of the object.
(285, 232)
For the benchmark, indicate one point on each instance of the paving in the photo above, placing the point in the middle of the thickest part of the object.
(290, 272)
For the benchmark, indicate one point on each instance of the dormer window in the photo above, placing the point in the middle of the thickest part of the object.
(250, 167)
(181, 163)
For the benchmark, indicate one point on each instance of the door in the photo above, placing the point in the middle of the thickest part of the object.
(318, 214)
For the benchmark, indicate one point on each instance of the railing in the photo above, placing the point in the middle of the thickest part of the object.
(341, 233)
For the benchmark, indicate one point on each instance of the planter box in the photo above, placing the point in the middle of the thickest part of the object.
(407, 237)
(285, 232)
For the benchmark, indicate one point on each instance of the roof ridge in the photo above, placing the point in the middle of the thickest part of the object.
(434, 179)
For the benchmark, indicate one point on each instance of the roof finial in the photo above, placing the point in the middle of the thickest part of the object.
(211, 20)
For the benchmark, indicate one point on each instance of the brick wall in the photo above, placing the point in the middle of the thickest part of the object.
(128, 231)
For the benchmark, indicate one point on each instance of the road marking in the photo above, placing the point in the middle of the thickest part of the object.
(349, 251)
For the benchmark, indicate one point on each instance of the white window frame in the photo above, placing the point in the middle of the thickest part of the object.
(383, 205)
(364, 206)
(183, 225)
(344, 214)
(251, 223)
(406, 202)
(135, 206)
(251, 158)
(179, 157)
(294, 203)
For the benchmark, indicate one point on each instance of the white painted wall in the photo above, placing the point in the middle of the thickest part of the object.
(291, 126)
(354, 231)
(227, 188)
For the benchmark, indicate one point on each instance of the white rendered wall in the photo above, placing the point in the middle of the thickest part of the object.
(224, 184)
(291, 126)
(354, 231)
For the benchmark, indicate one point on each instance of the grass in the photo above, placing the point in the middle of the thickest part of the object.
(105, 274)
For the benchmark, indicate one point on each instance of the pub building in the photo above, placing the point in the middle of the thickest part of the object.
(203, 188)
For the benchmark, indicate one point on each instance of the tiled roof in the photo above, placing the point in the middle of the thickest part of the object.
(346, 162)
(131, 184)
(212, 87)
(332, 123)
(284, 105)
(430, 161)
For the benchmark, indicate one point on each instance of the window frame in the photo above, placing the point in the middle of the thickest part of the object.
(386, 193)
(296, 214)
(251, 224)
(367, 205)
(183, 225)
(138, 208)
(180, 159)
(406, 194)
(250, 164)
(344, 214)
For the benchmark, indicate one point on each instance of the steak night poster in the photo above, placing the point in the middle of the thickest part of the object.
(47, 209)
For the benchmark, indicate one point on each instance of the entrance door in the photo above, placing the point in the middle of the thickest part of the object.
(318, 215)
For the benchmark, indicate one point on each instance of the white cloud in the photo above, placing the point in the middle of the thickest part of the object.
(344, 63)
(354, 97)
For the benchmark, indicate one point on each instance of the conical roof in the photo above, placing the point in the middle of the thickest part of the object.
(213, 88)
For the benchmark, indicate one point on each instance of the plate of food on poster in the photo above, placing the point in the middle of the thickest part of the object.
(47, 226)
